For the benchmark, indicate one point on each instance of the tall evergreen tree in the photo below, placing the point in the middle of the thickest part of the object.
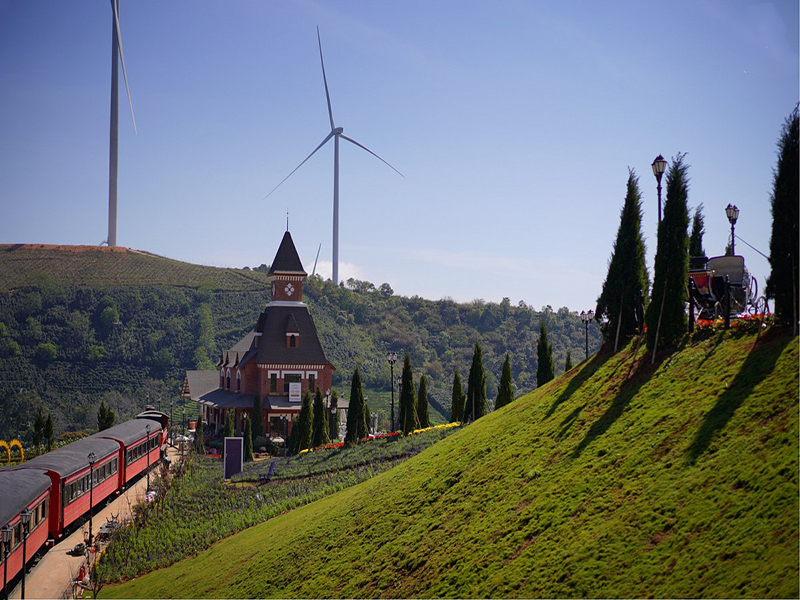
(305, 423)
(505, 393)
(408, 398)
(248, 440)
(545, 370)
(627, 273)
(422, 403)
(356, 423)
(666, 316)
(458, 399)
(258, 430)
(333, 418)
(38, 430)
(230, 428)
(782, 284)
(698, 229)
(199, 438)
(568, 364)
(320, 428)
(475, 406)
(105, 416)
(49, 437)
(294, 437)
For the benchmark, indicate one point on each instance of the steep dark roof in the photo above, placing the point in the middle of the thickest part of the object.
(20, 488)
(201, 382)
(272, 345)
(225, 399)
(291, 325)
(287, 260)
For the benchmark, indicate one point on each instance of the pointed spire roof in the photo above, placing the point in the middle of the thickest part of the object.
(287, 260)
(291, 325)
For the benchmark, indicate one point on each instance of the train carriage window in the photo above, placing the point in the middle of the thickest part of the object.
(114, 466)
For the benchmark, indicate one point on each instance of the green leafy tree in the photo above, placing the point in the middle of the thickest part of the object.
(356, 424)
(248, 440)
(257, 428)
(457, 400)
(333, 418)
(698, 229)
(545, 370)
(320, 427)
(38, 430)
(422, 403)
(626, 280)
(408, 398)
(475, 406)
(666, 317)
(105, 416)
(305, 424)
(782, 284)
(45, 353)
(568, 364)
(49, 435)
(505, 393)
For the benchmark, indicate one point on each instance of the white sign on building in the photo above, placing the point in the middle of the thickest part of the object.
(294, 392)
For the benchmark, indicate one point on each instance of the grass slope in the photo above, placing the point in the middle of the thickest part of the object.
(618, 479)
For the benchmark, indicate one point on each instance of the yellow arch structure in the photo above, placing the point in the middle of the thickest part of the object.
(18, 444)
(3, 444)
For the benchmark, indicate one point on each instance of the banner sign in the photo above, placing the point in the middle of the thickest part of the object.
(294, 392)
(234, 455)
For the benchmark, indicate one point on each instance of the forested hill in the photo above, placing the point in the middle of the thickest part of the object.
(79, 324)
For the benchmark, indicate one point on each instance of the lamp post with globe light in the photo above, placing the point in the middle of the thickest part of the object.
(6, 551)
(733, 215)
(392, 358)
(586, 318)
(659, 166)
(25, 516)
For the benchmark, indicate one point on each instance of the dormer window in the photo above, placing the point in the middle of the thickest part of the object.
(292, 341)
(228, 380)
(238, 381)
(222, 378)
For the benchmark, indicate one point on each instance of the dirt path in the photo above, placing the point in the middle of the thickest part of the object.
(52, 577)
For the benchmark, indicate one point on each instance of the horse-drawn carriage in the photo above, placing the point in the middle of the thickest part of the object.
(708, 278)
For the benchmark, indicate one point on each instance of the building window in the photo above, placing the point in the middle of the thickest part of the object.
(312, 383)
(287, 379)
(273, 383)
(228, 380)
(238, 381)
(292, 341)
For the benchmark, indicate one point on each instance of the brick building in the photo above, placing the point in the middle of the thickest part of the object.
(278, 361)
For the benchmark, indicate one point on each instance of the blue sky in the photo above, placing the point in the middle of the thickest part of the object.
(513, 122)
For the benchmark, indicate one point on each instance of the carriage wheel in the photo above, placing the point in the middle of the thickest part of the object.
(718, 311)
(761, 306)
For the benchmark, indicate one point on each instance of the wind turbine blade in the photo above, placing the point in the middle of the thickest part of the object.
(327, 137)
(352, 141)
(122, 60)
(325, 79)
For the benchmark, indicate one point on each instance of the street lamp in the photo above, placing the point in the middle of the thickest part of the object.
(92, 459)
(392, 358)
(6, 550)
(147, 451)
(25, 515)
(733, 214)
(659, 165)
(586, 318)
(285, 422)
(171, 424)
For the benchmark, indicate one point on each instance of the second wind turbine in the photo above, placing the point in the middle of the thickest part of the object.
(335, 133)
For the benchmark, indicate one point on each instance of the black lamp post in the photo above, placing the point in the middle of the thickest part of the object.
(733, 214)
(392, 358)
(171, 425)
(285, 422)
(25, 515)
(6, 551)
(147, 451)
(92, 459)
(586, 318)
(659, 165)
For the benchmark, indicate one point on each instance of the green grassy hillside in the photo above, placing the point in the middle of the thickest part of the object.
(616, 480)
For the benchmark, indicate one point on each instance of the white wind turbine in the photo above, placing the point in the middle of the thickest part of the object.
(335, 133)
(117, 56)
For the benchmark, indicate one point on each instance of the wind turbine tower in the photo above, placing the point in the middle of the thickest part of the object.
(117, 56)
(335, 133)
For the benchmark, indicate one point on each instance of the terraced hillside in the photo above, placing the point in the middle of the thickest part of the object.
(618, 479)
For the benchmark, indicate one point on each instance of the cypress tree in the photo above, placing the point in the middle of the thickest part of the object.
(49, 437)
(258, 430)
(356, 425)
(305, 424)
(782, 284)
(475, 406)
(698, 229)
(105, 416)
(230, 428)
(333, 431)
(422, 403)
(666, 317)
(320, 437)
(408, 399)
(294, 437)
(248, 440)
(545, 370)
(568, 364)
(199, 441)
(458, 399)
(505, 393)
(38, 430)
(627, 273)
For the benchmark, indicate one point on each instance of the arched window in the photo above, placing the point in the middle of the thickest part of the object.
(238, 381)
(228, 380)
(292, 341)
(221, 377)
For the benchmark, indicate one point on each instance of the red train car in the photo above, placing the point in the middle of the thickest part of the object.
(21, 490)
